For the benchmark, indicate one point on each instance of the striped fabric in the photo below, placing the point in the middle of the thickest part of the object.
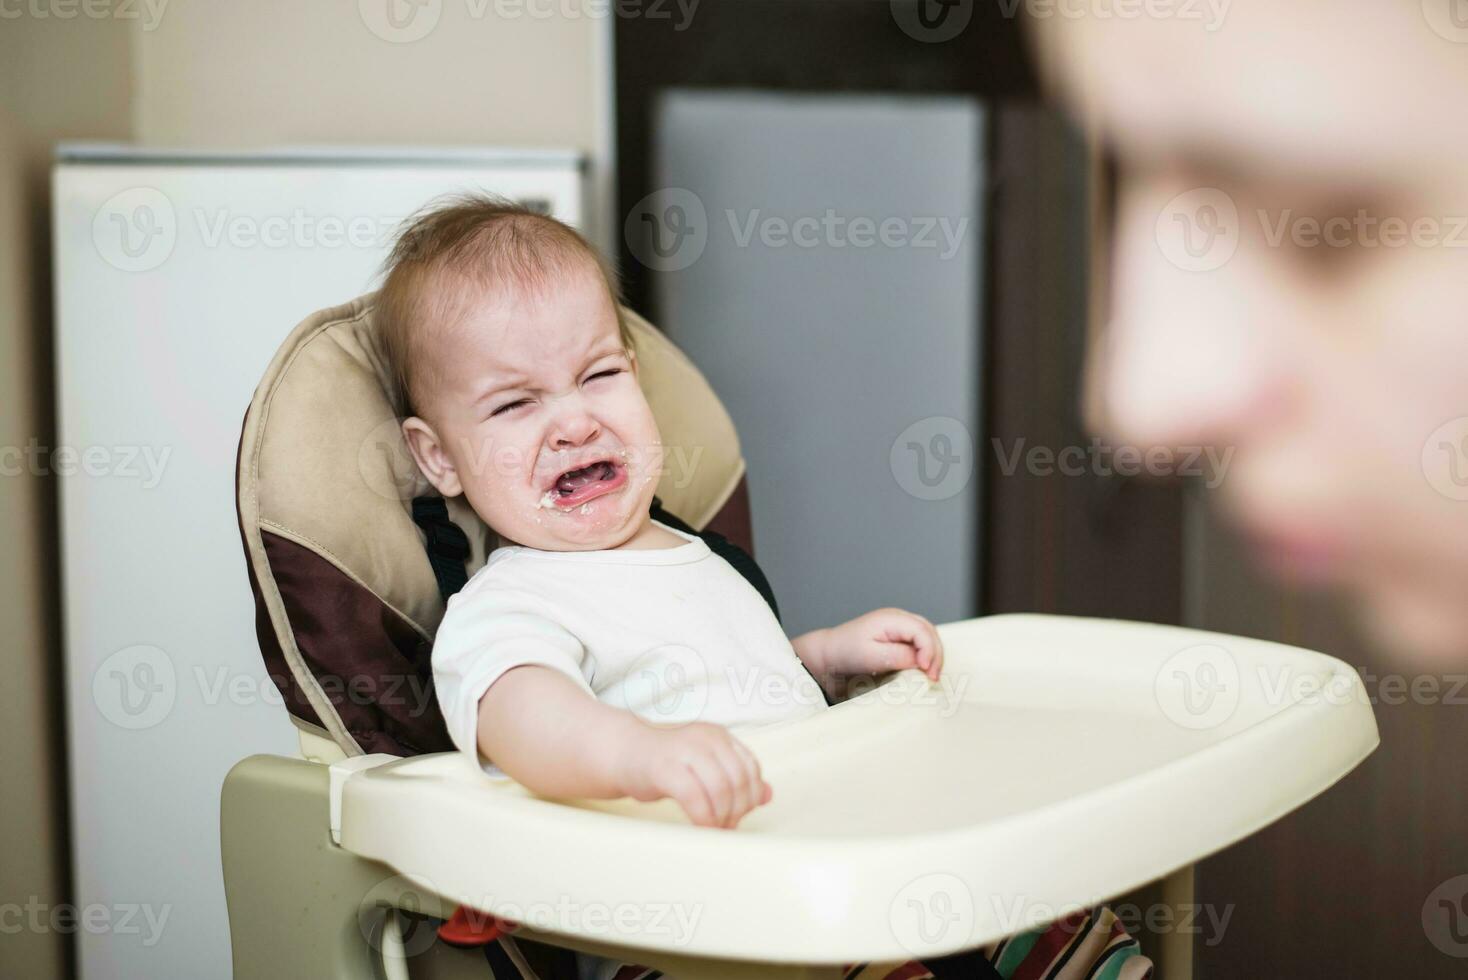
(637, 973)
(912, 970)
(1084, 946)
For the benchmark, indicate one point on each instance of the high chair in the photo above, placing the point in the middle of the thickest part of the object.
(1062, 762)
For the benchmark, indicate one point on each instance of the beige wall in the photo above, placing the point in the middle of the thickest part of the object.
(61, 80)
(215, 73)
(221, 73)
(218, 73)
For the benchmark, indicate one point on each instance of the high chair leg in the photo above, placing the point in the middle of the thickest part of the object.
(300, 906)
(1175, 952)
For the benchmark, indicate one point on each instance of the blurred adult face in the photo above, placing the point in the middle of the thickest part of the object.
(1291, 278)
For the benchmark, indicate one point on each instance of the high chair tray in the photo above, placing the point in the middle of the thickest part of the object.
(1059, 763)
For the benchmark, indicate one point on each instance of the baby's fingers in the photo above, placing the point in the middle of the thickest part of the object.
(743, 791)
(927, 646)
(898, 655)
(759, 790)
(937, 666)
(716, 785)
(689, 792)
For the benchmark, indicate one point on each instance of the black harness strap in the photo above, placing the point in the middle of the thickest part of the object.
(446, 544)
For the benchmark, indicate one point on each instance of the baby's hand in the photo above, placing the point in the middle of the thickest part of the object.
(714, 778)
(883, 640)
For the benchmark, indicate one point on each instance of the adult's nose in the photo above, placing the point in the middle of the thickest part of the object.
(1195, 351)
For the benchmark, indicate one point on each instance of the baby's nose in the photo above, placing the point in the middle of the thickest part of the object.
(575, 428)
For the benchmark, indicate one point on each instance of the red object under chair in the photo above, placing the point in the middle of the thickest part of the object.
(470, 927)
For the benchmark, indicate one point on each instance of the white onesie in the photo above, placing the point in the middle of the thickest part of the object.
(674, 635)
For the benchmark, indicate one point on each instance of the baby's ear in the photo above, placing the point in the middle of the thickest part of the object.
(428, 453)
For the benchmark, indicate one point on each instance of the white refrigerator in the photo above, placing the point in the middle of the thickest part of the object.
(177, 276)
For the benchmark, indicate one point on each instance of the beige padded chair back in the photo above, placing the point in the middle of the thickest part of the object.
(346, 599)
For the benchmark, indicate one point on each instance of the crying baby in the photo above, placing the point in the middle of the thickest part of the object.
(519, 381)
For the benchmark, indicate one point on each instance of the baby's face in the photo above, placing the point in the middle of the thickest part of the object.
(538, 419)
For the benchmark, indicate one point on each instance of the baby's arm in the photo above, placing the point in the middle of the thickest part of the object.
(553, 737)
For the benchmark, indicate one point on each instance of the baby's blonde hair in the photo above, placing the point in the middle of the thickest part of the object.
(467, 244)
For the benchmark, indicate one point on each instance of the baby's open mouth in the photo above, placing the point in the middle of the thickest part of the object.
(572, 480)
(577, 486)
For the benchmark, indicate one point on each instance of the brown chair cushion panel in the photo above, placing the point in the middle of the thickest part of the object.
(370, 662)
(734, 520)
(358, 647)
